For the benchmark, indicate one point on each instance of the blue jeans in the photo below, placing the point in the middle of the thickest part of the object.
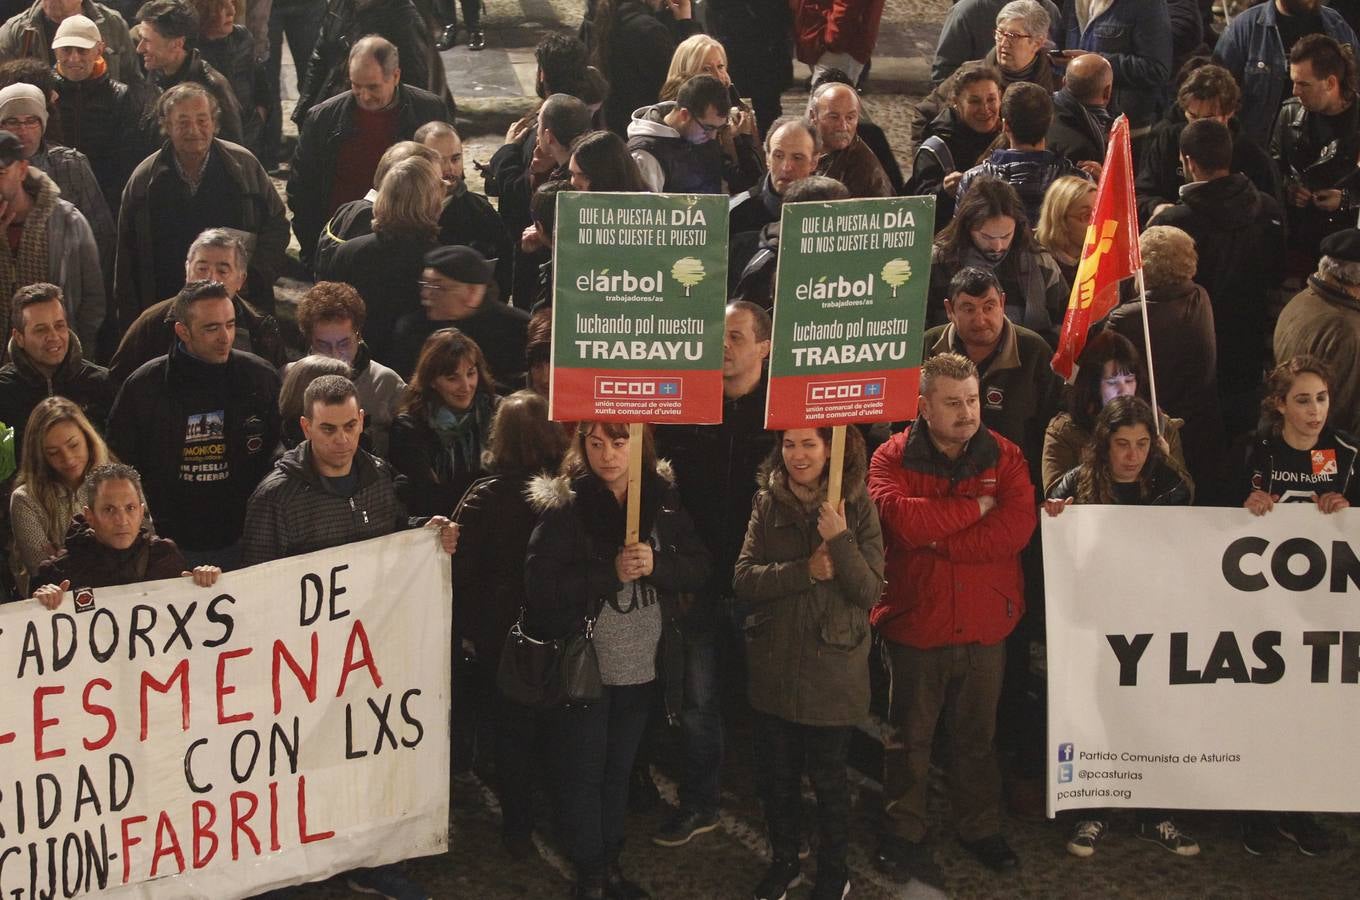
(592, 748)
(701, 720)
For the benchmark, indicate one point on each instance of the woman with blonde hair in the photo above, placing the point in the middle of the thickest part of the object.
(739, 138)
(1063, 220)
(60, 448)
(385, 266)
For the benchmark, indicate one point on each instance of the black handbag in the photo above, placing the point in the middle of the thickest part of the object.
(548, 674)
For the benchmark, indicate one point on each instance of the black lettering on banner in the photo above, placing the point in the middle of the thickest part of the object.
(1266, 647)
(1232, 564)
(236, 773)
(86, 795)
(189, 768)
(119, 761)
(138, 631)
(61, 658)
(1180, 644)
(1307, 580)
(384, 730)
(220, 618)
(1345, 567)
(1128, 653)
(101, 614)
(1321, 642)
(32, 649)
(1225, 661)
(49, 806)
(350, 752)
(336, 591)
(181, 626)
(410, 719)
(309, 614)
(1350, 657)
(278, 737)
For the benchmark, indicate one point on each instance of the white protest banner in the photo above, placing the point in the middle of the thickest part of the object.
(1203, 658)
(286, 724)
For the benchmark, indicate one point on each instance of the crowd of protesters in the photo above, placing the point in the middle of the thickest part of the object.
(144, 233)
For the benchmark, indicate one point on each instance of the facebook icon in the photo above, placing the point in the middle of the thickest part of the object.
(1064, 753)
(1064, 773)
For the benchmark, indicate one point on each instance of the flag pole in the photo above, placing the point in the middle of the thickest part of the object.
(1147, 345)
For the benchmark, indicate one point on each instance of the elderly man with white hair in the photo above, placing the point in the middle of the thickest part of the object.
(835, 109)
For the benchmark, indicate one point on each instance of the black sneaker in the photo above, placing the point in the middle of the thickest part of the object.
(993, 852)
(782, 875)
(683, 827)
(1084, 838)
(902, 860)
(1169, 837)
(1259, 837)
(1306, 833)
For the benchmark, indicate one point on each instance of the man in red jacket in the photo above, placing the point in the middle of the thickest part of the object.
(957, 506)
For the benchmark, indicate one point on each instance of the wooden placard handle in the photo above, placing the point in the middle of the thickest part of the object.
(634, 511)
(837, 463)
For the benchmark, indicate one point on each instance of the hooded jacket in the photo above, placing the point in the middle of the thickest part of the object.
(953, 573)
(1238, 233)
(258, 208)
(669, 163)
(86, 563)
(807, 641)
(1030, 172)
(23, 386)
(23, 36)
(294, 510)
(1324, 321)
(569, 568)
(147, 430)
(153, 334)
(1160, 175)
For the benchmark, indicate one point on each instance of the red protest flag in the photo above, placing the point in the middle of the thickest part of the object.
(1108, 256)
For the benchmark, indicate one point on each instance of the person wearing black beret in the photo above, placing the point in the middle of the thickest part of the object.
(458, 290)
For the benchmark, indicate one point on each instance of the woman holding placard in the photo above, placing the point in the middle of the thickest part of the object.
(813, 571)
(582, 574)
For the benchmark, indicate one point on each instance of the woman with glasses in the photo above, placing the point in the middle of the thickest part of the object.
(1063, 220)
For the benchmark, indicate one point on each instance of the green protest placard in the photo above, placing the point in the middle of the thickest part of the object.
(639, 288)
(849, 314)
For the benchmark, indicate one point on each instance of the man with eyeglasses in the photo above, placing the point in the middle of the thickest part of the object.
(23, 113)
(673, 141)
(456, 292)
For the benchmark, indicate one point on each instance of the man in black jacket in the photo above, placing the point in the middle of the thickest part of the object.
(100, 117)
(1239, 235)
(341, 140)
(45, 360)
(715, 468)
(673, 142)
(327, 492)
(793, 147)
(200, 424)
(1081, 120)
(165, 30)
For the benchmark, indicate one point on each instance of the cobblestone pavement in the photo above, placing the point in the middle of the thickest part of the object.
(493, 88)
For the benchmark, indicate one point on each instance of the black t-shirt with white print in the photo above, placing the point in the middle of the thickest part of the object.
(1294, 476)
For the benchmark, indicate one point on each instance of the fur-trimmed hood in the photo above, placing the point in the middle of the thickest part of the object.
(772, 477)
(545, 492)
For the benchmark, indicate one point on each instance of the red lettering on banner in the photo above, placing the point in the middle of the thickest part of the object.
(128, 843)
(302, 816)
(241, 822)
(101, 711)
(204, 830)
(163, 827)
(181, 672)
(40, 724)
(365, 661)
(223, 689)
(306, 679)
(274, 816)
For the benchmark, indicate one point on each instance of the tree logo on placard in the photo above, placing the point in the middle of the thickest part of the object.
(689, 271)
(896, 272)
